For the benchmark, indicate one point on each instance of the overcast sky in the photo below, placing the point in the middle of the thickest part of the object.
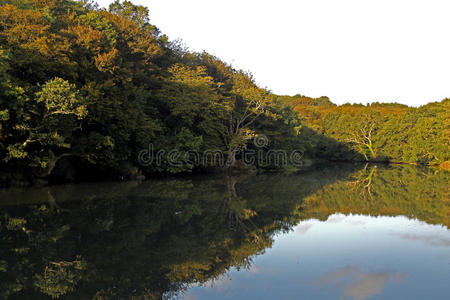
(349, 50)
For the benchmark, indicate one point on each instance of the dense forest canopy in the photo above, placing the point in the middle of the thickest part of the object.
(382, 131)
(84, 90)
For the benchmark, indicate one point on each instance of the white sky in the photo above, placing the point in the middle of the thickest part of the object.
(349, 50)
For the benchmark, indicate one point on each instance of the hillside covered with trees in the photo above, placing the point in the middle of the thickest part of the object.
(382, 131)
(84, 90)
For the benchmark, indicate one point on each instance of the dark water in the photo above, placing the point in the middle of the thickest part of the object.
(336, 232)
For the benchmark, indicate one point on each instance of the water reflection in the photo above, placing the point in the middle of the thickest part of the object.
(433, 240)
(343, 257)
(359, 285)
(157, 239)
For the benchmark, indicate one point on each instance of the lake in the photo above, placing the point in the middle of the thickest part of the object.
(342, 231)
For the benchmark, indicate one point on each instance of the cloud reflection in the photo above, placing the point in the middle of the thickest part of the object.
(434, 240)
(302, 228)
(359, 285)
(336, 218)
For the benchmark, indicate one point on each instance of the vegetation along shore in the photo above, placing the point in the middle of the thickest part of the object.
(84, 90)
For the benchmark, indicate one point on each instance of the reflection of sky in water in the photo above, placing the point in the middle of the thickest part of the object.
(346, 257)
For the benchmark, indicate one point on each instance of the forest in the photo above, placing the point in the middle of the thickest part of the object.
(84, 90)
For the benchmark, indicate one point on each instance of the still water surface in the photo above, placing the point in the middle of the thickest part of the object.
(336, 232)
(344, 257)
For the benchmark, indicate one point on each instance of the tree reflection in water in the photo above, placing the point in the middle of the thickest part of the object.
(151, 240)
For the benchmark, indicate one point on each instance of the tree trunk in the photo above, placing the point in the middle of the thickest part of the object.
(52, 163)
(371, 150)
(231, 160)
